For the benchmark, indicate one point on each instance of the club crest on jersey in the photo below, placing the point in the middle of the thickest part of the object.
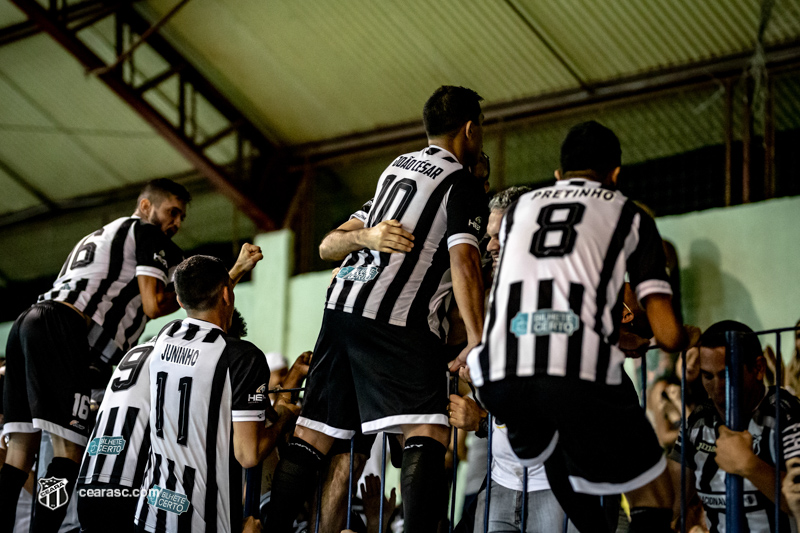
(168, 500)
(361, 273)
(544, 322)
(106, 446)
(475, 223)
(53, 492)
(161, 257)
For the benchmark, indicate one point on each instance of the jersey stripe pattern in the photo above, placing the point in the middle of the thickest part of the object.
(703, 429)
(556, 302)
(120, 442)
(443, 205)
(201, 382)
(99, 278)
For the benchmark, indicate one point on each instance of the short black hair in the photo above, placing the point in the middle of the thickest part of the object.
(449, 108)
(199, 281)
(714, 337)
(158, 189)
(590, 146)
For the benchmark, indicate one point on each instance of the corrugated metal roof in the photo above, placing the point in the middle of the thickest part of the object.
(310, 71)
(66, 133)
(316, 70)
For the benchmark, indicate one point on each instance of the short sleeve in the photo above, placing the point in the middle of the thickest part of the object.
(363, 213)
(152, 252)
(467, 211)
(249, 380)
(647, 265)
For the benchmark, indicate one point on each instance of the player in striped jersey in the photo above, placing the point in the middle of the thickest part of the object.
(378, 361)
(113, 281)
(115, 460)
(208, 397)
(714, 451)
(549, 365)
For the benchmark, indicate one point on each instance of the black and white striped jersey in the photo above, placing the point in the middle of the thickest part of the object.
(556, 301)
(119, 445)
(201, 381)
(443, 205)
(703, 430)
(99, 278)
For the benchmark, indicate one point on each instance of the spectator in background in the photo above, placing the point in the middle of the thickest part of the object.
(792, 375)
(713, 450)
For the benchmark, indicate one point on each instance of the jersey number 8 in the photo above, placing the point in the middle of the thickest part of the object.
(542, 245)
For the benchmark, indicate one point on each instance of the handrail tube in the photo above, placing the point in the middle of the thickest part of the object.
(383, 482)
(350, 481)
(777, 432)
(684, 442)
(734, 485)
(488, 475)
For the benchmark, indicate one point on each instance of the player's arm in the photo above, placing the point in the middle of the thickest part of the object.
(253, 441)
(249, 256)
(465, 269)
(157, 301)
(388, 236)
(669, 333)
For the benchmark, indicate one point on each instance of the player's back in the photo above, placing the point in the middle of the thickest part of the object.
(120, 442)
(99, 278)
(423, 190)
(556, 302)
(196, 374)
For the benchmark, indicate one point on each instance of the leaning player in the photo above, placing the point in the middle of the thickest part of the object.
(114, 461)
(549, 365)
(114, 280)
(377, 365)
(208, 405)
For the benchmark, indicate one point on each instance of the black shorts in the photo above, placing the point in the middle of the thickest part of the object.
(98, 512)
(374, 376)
(607, 442)
(46, 385)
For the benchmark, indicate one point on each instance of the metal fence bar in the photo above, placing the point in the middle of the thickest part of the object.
(684, 441)
(383, 482)
(734, 485)
(252, 490)
(319, 501)
(488, 476)
(350, 481)
(524, 517)
(454, 390)
(777, 432)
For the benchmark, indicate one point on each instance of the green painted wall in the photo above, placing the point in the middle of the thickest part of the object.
(740, 263)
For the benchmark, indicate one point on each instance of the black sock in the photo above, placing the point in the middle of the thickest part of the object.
(48, 516)
(650, 520)
(12, 480)
(293, 483)
(422, 482)
(584, 510)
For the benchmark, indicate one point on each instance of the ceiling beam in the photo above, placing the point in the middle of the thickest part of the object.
(614, 91)
(74, 16)
(239, 187)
